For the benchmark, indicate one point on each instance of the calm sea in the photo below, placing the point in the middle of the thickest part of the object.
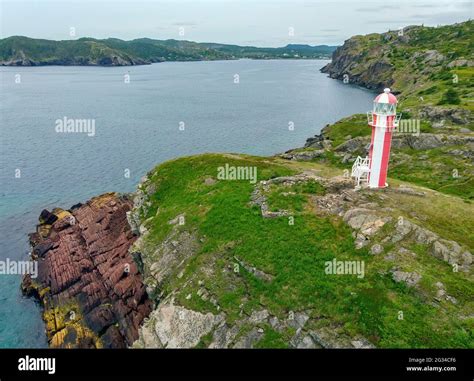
(142, 116)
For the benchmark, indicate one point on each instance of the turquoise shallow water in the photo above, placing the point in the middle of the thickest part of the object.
(137, 127)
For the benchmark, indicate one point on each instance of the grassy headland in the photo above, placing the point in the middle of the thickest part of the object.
(232, 240)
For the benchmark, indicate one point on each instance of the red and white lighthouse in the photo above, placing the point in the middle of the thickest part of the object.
(383, 119)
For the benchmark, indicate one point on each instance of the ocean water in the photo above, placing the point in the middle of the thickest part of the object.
(137, 126)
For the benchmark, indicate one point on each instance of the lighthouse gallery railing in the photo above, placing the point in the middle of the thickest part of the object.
(395, 123)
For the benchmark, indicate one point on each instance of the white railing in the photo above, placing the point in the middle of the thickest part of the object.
(361, 164)
(370, 118)
(361, 170)
(396, 120)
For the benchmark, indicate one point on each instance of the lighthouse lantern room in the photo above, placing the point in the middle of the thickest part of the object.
(383, 119)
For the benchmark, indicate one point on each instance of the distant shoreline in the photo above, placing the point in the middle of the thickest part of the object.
(153, 63)
(25, 51)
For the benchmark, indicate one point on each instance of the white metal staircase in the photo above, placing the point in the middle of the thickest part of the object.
(361, 170)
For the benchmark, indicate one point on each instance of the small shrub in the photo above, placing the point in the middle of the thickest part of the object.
(450, 97)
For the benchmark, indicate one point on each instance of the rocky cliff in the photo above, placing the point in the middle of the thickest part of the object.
(350, 63)
(88, 284)
(429, 68)
(111, 58)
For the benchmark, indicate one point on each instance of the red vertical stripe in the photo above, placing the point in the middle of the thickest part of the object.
(385, 157)
(390, 121)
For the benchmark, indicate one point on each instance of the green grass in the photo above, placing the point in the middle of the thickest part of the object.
(446, 215)
(435, 169)
(356, 126)
(294, 255)
(353, 126)
(272, 339)
(293, 198)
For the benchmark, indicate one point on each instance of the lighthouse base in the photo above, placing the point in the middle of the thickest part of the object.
(378, 186)
(361, 172)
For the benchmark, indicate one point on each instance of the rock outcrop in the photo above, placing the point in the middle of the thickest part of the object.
(349, 63)
(440, 115)
(420, 142)
(172, 326)
(88, 283)
(20, 59)
(306, 155)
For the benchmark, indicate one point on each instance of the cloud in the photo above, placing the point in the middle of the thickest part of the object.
(377, 8)
(319, 35)
(184, 23)
(391, 22)
(452, 3)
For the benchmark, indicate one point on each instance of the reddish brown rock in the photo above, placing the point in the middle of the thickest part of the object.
(88, 283)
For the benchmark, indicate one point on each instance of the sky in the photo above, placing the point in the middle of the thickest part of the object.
(244, 22)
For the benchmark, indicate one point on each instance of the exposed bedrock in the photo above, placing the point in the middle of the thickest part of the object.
(422, 141)
(88, 283)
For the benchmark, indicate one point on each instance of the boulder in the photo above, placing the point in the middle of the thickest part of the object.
(433, 57)
(410, 278)
(451, 252)
(365, 220)
(224, 335)
(376, 249)
(306, 155)
(303, 341)
(315, 142)
(250, 339)
(47, 218)
(460, 63)
(173, 326)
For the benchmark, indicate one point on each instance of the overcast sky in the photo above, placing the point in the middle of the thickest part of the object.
(243, 22)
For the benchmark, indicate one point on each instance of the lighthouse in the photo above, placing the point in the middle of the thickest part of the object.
(383, 119)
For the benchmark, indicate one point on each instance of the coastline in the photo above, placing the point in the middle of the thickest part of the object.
(343, 154)
(2, 64)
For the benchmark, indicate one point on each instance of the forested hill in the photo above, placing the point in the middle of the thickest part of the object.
(24, 51)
